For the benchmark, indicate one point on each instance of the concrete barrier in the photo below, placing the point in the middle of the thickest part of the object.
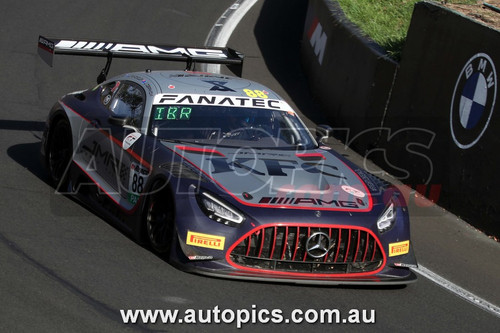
(436, 126)
(350, 75)
(447, 85)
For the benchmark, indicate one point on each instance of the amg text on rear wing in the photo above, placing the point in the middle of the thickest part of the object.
(47, 47)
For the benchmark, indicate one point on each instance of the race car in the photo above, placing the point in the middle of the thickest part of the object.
(219, 175)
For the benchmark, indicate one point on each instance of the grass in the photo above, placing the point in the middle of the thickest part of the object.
(385, 21)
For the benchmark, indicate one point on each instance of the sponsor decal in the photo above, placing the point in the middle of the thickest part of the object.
(473, 100)
(219, 85)
(132, 198)
(256, 93)
(130, 140)
(271, 167)
(200, 257)
(234, 101)
(247, 196)
(367, 180)
(107, 99)
(317, 39)
(46, 44)
(139, 49)
(311, 202)
(353, 191)
(96, 155)
(403, 264)
(138, 177)
(46, 50)
(279, 180)
(400, 248)
(205, 240)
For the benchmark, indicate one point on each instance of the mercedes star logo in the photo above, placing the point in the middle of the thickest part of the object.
(318, 245)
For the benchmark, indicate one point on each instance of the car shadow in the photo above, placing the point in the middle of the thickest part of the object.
(27, 155)
(278, 32)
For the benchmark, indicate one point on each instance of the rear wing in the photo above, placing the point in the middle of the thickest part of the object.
(47, 47)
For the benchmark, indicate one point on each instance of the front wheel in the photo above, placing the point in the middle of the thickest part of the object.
(160, 228)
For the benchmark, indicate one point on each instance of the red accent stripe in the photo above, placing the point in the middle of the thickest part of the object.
(243, 202)
(348, 246)
(248, 245)
(285, 243)
(338, 246)
(45, 48)
(366, 246)
(374, 251)
(261, 243)
(130, 151)
(79, 115)
(115, 140)
(296, 243)
(357, 247)
(306, 155)
(329, 237)
(308, 235)
(311, 275)
(274, 243)
(128, 211)
(200, 150)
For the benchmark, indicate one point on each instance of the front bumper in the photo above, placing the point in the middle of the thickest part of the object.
(357, 254)
(399, 276)
(218, 263)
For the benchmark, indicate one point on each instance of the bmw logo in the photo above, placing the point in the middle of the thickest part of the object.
(473, 100)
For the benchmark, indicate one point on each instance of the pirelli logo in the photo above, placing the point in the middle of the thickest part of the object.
(397, 249)
(205, 240)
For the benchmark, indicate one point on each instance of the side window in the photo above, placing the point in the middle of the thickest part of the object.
(127, 100)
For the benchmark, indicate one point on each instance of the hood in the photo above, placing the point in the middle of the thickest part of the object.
(315, 179)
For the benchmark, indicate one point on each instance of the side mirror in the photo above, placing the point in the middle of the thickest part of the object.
(323, 132)
(118, 121)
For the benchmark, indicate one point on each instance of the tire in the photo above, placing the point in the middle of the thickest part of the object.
(59, 153)
(160, 220)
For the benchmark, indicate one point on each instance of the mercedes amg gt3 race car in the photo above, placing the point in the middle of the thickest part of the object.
(218, 173)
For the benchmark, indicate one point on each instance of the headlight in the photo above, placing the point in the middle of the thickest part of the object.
(388, 218)
(219, 211)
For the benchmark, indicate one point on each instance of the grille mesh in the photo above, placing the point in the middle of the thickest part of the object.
(283, 248)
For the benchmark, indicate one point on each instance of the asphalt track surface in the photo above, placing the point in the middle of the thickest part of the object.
(62, 268)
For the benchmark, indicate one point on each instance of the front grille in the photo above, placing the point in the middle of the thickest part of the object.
(283, 248)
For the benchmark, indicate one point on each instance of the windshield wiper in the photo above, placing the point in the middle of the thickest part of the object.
(181, 141)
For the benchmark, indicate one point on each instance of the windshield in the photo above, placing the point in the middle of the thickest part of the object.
(230, 126)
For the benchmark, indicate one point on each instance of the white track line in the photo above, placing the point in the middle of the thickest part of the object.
(219, 36)
(459, 291)
(224, 27)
